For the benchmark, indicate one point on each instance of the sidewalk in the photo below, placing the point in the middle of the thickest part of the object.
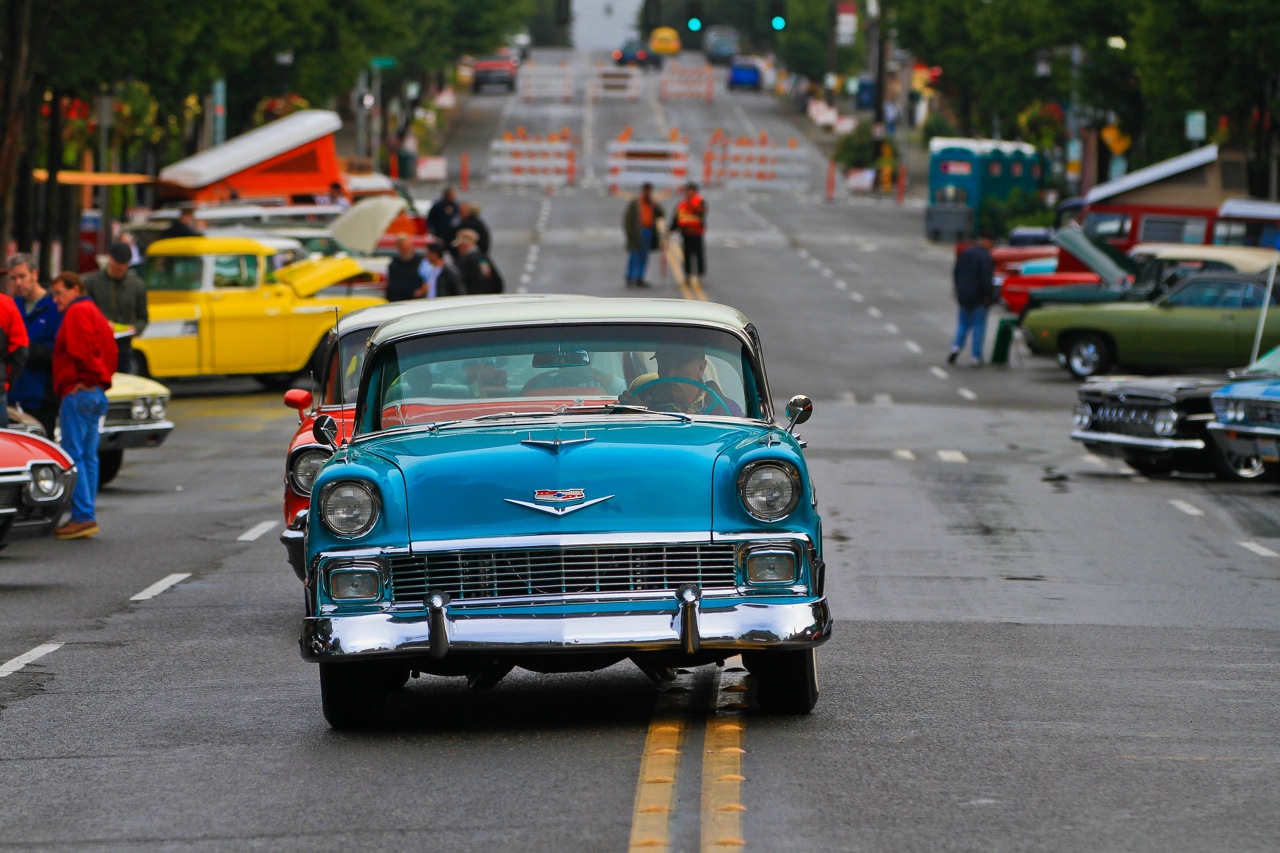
(915, 155)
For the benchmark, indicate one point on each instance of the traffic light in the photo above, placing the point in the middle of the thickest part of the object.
(778, 15)
(693, 10)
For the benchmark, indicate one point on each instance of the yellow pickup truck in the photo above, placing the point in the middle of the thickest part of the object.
(217, 308)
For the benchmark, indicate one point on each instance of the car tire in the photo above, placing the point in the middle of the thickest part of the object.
(786, 681)
(1228, 465)
(109, 462)
(1088, 355)
(353, 695)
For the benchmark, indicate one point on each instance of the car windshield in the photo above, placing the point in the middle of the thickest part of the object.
(542, 370)
(1268, 365)
(165, 272)
(342, 384)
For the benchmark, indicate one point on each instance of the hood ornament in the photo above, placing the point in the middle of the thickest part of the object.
(558, 496)
(554, 444)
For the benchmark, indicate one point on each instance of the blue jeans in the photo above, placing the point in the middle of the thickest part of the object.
(638, 261)
(972, 321)
(80, 415)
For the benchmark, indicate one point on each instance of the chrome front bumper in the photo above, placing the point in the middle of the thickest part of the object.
(1137, 442)
(143, 434)
(691, 624)
(1245, 440)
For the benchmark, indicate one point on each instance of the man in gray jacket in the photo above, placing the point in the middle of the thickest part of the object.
(122, 297)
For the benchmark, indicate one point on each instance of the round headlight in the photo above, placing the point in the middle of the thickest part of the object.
(1166, 422)
(158, 408)
(1082, 415)
(349, 508)
(769, 490)
(1236, 411)
(46, 482)
(304, 468)
(138, 411)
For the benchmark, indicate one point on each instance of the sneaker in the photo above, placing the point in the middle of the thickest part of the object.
(76, 530)
(951, 356)
(641, 283)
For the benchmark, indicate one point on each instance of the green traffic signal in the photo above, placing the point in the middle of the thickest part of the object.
(695, 24)
(779, 22)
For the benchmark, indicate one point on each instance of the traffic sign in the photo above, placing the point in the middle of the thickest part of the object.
(383, 62)
(1195, 125)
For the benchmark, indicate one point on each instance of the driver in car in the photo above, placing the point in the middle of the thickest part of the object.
(679, 385)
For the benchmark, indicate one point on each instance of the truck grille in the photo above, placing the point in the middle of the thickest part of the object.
(1125, 419)
(562, 571)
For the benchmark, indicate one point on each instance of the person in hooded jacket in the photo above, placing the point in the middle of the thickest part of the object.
(33, 390)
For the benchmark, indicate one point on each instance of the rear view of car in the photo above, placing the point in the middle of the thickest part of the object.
(497, 70)
(745, 73)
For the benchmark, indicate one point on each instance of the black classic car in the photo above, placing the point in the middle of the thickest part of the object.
(1157, 425)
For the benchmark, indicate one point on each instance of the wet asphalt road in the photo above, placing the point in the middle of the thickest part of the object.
(1034, 649)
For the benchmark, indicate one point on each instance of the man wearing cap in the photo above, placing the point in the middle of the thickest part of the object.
(34, 389)
(404, 276)
(679, 385)
(479, 275)
(121, 297)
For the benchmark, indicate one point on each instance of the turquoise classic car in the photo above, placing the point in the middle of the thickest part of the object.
(1210, 320)
(561, 485)
(1247, 414)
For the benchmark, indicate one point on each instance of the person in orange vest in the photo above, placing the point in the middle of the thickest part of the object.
(690, 219)
(640, 224)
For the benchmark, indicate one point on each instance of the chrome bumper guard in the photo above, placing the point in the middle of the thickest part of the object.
(1137, 440)
(1242, 439)
(694, 623)
(122, 436)
(294, 540)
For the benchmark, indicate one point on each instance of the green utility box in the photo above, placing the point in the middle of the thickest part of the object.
(1004, 339)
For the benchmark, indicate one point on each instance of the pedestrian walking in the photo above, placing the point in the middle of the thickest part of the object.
(442, 277)
(690, 219)
(33, 390)
(479, 275)
(84, 356)
(444, 217)
(640, 226)
(470, 218)
(975, 291)
(122, 297)
(404, 274)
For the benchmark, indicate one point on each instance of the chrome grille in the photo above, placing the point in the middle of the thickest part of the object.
(1262, 414)
(1125, 419)
(120, 412)
(562, 571)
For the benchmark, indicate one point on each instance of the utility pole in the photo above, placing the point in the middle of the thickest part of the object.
(829, 82)
(877, 12)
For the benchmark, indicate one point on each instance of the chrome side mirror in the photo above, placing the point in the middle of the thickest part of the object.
(799, 410)
(325, 430)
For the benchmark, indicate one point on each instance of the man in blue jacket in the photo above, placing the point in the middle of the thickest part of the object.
(974, 277)
(34, 389)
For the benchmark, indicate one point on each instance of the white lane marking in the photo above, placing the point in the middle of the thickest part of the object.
(966, 393)
(856, 297)
(1184, 507)
(938, 372)
(256, 531)
(904, 455)
(952, 456)
(875, 312)
(891, 328)
(526, 280)
(1260, 550)
(1095, 460)
(841, 285)
(815, 263)
(826, 273)
(804, 253)
(160, 586)
(848, 397)
(913, 347)
(883, 399)
(10, 667)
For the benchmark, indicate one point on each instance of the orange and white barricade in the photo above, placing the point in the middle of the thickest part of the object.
(755, 164)
(625, 83)
(677, 83)
(546, 82)
(538, 162)
(663, 164)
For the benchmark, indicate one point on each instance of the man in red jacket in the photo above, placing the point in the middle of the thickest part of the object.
(84, 357)
(14, 343)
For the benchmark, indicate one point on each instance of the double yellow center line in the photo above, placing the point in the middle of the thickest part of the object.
(689, 288)
(668, 740)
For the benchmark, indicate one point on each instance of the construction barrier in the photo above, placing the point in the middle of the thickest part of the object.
(608, 82)
(678, 83)
(632, 163)
(546, 82)
(755, 164)
(542, 162)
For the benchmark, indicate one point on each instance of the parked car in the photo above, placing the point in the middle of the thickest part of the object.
(36, 481)
(217, 309)
(137, 416)
(1208, 321)
(665, 41)
(498, 69)
(720, 44)
(522, 489)
(634, 52)
(1148, 271)
(1158, 425)
(1247, 414)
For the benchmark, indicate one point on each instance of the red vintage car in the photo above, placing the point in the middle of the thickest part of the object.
(36, 482)
(340, 375)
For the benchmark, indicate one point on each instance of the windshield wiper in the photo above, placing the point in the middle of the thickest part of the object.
(627, 408)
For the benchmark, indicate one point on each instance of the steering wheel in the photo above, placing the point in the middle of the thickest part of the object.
(716, 401)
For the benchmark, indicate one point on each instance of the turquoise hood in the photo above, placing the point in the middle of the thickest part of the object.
(487, 482)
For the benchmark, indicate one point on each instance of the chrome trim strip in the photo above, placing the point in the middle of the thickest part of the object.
(744, 625)
(557, 510)
(1268, 432)
(572, 540)
(141, 426)
(1138, 441)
